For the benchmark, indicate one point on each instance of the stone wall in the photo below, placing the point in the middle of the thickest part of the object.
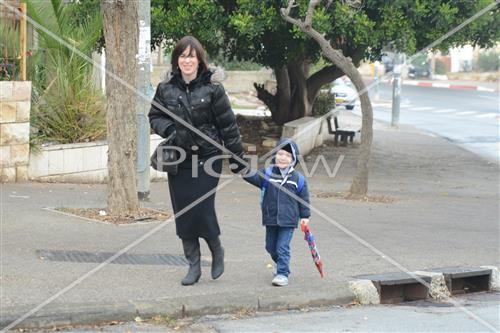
(307, 132)
(78, 162)
(15, 105)
(242, 81)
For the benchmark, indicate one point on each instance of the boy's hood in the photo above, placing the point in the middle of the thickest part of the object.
(295, 150)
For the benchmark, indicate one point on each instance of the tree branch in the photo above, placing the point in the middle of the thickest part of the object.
(320, 78)
(310, 13)
(285, 13)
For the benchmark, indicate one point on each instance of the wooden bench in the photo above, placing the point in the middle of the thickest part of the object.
(344, 134)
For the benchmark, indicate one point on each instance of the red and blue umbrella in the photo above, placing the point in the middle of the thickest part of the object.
(308, 236)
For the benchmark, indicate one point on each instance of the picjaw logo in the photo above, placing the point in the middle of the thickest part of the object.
(320, 162)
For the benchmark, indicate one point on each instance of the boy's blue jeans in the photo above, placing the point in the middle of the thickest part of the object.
(278, 245)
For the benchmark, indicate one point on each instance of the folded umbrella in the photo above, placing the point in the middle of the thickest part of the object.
(308, 236)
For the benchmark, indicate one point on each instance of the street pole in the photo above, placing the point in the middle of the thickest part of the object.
(143, 79)
(396, 90)
(377, 80)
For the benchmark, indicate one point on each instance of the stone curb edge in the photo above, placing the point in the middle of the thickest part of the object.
(60, 315)
(447, 85)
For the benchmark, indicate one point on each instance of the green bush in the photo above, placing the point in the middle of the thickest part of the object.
(9, 56)
(66, 107)
(70, 109)
(323, 104)
(440, 67)
(487, 61)
(235, 65)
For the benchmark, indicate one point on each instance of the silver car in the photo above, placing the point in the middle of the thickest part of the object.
(345, 93)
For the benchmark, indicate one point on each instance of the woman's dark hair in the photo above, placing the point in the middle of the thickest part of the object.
(194, 45)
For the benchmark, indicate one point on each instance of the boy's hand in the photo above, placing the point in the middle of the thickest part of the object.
(305, 222)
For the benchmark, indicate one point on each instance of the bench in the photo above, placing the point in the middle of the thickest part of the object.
(344, 134)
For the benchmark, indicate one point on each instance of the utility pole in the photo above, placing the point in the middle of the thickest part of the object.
(396, 89)
(143, 80)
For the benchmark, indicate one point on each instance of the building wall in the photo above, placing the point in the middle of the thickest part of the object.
(15, 105)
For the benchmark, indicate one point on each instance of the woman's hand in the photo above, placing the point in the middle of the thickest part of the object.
(304, 222)
(238, 167)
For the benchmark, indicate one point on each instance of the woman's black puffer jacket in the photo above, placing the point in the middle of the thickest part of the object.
(208, 107)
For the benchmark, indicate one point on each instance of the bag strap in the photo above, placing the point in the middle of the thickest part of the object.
(267, 175)
(265, 183)
(300, 184)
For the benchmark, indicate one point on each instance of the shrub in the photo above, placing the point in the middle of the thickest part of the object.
(323, 103)
(9, 44)
(487, 61)
(440, 67)
(70, 110)
(66, 107)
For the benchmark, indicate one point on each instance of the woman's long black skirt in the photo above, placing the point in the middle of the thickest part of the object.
(185, 188)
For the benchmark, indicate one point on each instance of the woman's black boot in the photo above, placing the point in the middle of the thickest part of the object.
(217, 257)
(192, 253)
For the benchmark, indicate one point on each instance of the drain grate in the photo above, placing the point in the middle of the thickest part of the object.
(125, 259)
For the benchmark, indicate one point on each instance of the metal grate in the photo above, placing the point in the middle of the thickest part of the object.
(125, 259)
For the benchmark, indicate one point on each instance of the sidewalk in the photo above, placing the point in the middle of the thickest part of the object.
(434, 205)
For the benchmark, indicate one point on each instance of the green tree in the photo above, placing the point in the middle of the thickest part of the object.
(254, 31)
(248, 30)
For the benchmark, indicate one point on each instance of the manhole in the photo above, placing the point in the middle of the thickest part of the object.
(463, 280)
(124, 259)
(399, 287)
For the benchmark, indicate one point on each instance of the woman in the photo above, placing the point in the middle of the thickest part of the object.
(192, 95)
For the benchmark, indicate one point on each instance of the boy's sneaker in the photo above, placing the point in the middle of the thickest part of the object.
(280, 281)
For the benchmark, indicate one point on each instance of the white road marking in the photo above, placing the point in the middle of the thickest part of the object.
(463, 113)
(492, 98)
(485, 89)
(445, 111)
(423, 108)
(487, 115)
(441, 85)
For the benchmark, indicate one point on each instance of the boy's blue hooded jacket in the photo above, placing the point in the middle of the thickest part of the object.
(279, 208)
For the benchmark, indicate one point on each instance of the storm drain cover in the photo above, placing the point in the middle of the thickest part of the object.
(124, 259)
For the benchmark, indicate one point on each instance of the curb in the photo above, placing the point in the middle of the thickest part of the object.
(57, 315)
(392, 288)
(447, 85)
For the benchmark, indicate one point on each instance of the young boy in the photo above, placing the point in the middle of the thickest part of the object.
(280, 211)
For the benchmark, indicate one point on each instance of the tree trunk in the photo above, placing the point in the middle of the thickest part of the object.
(121, 33)
(283, 96)
(295, 91)
(359, 186)
(300, 105)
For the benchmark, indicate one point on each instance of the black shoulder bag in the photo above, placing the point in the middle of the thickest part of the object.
(165, 157)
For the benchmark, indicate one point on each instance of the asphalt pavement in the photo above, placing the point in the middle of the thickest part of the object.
(467, 118)
(430, 204)
(480, 315)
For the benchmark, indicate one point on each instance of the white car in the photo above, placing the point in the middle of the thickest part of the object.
(345, 93)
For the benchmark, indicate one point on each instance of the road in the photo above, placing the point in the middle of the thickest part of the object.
(477, 312)
(425, 316)
(465, 117)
